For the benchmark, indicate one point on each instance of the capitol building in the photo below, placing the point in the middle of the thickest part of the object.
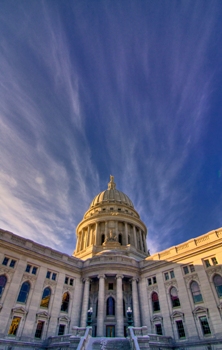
(111, 294)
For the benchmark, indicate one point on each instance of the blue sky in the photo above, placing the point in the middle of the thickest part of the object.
(93, 88)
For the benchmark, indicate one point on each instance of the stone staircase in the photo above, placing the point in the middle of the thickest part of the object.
(108, 344)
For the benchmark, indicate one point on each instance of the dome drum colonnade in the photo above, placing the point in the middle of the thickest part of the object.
(111, 213)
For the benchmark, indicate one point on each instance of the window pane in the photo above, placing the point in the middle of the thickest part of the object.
(34, 270)
(185, 270)
(39, 329)
(71, 282)
(196, 294)
(217, 280)
(172, 274)
(205, 325)
(14, 325)
(45, 297)
(166, 276)
(159, 329)
(65, 302)
(54, 276)
(12, 263)
(48, 274)
(192, 268)
(28, 268)
(61, 329)
(180, 329)
(110, 306)
(214, 261)
(24, 292)
(207, 263)
(5, 261)
(149, 281)
(155, 302)
(174, 297)
(66, 280)
(154, 279)
(3, 281)
(110, 286)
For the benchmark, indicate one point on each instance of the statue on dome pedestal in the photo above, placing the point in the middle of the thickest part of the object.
(111, 240)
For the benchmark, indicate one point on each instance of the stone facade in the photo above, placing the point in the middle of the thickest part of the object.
(176, 293)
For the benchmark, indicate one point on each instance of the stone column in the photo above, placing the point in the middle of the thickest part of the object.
(96, 234)
(106, 229)
(141, 241)
(135, 238)
(101, 304)
(88, 236)
(126, 232)
(85, 302)
(136, 306)
(144, 241)
(144, 302)
(119, 307)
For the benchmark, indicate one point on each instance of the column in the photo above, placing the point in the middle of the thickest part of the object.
(136, 310)
(144, 302)
(144, 240)
(119, 307)
(82, 240)
(96, 234)
(141, 241)
(126, 233)
(85, 302)
(106, 230)
(135, 238)
(88, 236)
(117, 231)
(101, 304)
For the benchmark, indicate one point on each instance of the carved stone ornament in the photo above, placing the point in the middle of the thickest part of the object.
(19, 310)
(156, 318)
(172, 283)
(214, 269)
(6, 270)
(220, 307)
(64, 319)
(177, 314)
(190, 278)
(43, 314)
(152, 289)
(49, 283)
(200, 310)
(29, 277)
(68, 289)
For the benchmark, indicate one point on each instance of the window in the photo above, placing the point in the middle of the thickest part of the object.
(120, 238)
(102, 238)
(39, 329)
(14, 325)
(65, 302)
(196, 294)
(66, 280)
(217, 280)
(188, 269)
(110, 307)
(151, 280)
(155, 302)
(211, 261)
(3, 281)
(169, 275)
(204, 325)
(24, 292)
(61, 329)
(180, 329)
(31, 269)
(7, 261)
(69, 281)
(46, 297)
(111, 208)
(51, 275)
(110, 286)
(174, 297)
(159, 329)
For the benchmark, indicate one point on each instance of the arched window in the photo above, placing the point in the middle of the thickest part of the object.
(174, 297)
(155, 302)
(217, 280)
(24, 292)
(45, 297)
(65, 302)
(196, 294)
(3, 281)
(102, 238)
(110, 306)
(120, 238)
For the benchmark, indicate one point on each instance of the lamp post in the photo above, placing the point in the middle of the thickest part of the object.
(129, 313)
(89, 316)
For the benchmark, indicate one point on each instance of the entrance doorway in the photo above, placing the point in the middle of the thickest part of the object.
(110, 331)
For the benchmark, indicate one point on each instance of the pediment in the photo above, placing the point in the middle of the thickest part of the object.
(43, 314)
(156, 318)
(200, 310)
(20, 310)
(177, 314)
(64, 319)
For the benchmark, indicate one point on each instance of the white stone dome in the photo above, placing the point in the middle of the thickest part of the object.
(111, 195)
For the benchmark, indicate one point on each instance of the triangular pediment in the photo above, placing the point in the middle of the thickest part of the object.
(43, 314)
(177, 314)
(20, 310)
(200, 310)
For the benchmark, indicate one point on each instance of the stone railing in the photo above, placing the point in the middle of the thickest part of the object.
(133, 338)
(84, 339)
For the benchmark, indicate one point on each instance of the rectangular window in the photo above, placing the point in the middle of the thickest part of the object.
(185, 270)
(5, 261)
(39, 329)
(48, 274)
(34, 270)
(192, 268)
(154, 279)
(66, 280)
(12, 263)
(28, 268)
(14, 325)
(61, 329)
(204, 325)
(159, 329)
(180, 329)
(214, 261)
(54, 276)
(172, 274)
(110, 286)
(207, 263)
(166, 276)
(149, 281)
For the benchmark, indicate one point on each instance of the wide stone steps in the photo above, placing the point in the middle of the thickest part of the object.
(109, 344)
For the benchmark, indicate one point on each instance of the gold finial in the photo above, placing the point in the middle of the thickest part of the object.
(111, 184)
